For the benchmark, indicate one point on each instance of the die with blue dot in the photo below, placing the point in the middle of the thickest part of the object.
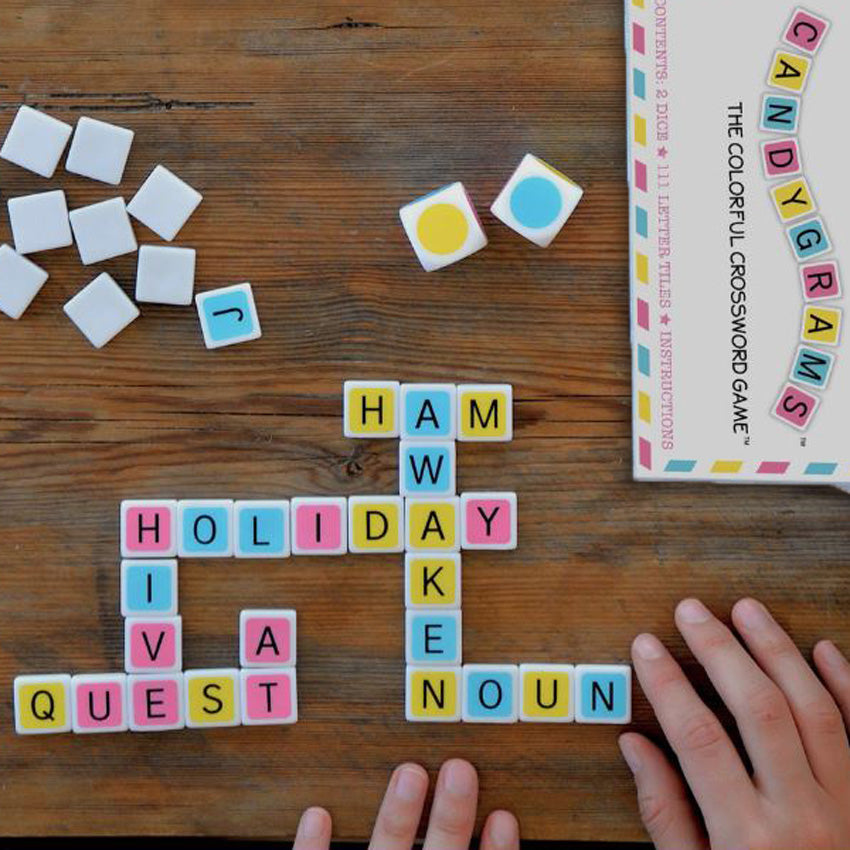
(537, 200)
(228, 315)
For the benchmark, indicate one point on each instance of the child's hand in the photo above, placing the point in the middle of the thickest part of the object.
(792, 727)
(450, 825)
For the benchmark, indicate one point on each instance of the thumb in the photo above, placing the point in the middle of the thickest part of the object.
(665, 808)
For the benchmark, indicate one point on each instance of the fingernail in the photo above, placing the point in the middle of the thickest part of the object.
(832, 655)
(411, 783)
(502, 831)
(753, 615)
(648, 647)
(459, 778)
(630, 754)
(693, 611)
(313, 824)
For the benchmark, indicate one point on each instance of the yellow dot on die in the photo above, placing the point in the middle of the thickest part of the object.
(442, 229)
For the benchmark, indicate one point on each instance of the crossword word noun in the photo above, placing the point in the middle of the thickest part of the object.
(103, 231)
(165, 275)
(40, 222)
(261, 529)
(433, 638)
(537, 200)
(20, 281)
(149, 528)
(267, 637)
(211, 698)
(35, 141)
(99, 703)
(432, 580)
(164, 203)
(375, 524)
(269, 696)
(42, 704)
(205, 528)
(156, 702)
(101, 310)
(148, 587)
(228, 315)
(485, 413)
(433, 694)
(490, 693)
(428, 411)
(426, 468)
(531, 693)
(319, 525)
(443, 227)
(370, 409)
(99, 150)
(153, 644)
(488, 520)
(432, 524)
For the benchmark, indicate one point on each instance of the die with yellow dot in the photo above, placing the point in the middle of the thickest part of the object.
(443, 227)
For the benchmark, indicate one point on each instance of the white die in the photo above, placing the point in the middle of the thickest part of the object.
(165, 275)
(164, 203)
(443, 227)
(99, 150)
(40, 222)
(537, 201)
(20, 281)
(103, 231)
(101, 310)
(35, 141)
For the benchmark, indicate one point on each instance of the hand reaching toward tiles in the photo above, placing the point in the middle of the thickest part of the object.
(449, 827)
(792, 723)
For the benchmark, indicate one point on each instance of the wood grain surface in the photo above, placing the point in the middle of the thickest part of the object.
(306, 125)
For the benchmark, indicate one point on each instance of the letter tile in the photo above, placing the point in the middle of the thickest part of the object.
(149, 528)
(433, 525)
(490, 693)
(796, 407)
(156, 702)
(269, 696)
(432, 580)
(488, 520)
(426, 468)
(153, 644)
(148, 588)
(211, 698)
(433, 694)
(267, 637)
(42, 704)
(371, 409)
(206, 528)
(433, 638)
(547, 693)
(603, 693)
(261, 529)
(319, 525)
(375, 524)
(485, 412)
(428, 411)
(99, 703)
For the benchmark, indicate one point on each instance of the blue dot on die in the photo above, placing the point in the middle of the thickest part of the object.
(536, 202)
(228, 315)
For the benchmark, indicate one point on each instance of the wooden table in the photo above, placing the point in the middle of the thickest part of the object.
(306, 125)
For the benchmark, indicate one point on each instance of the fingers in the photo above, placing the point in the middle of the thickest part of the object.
(314, 830)
(835, 669)
(665, 809)
(401, 810)
(759, 707)
(501, 832)
(714, 771)
(453, 812)
(816, 715)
